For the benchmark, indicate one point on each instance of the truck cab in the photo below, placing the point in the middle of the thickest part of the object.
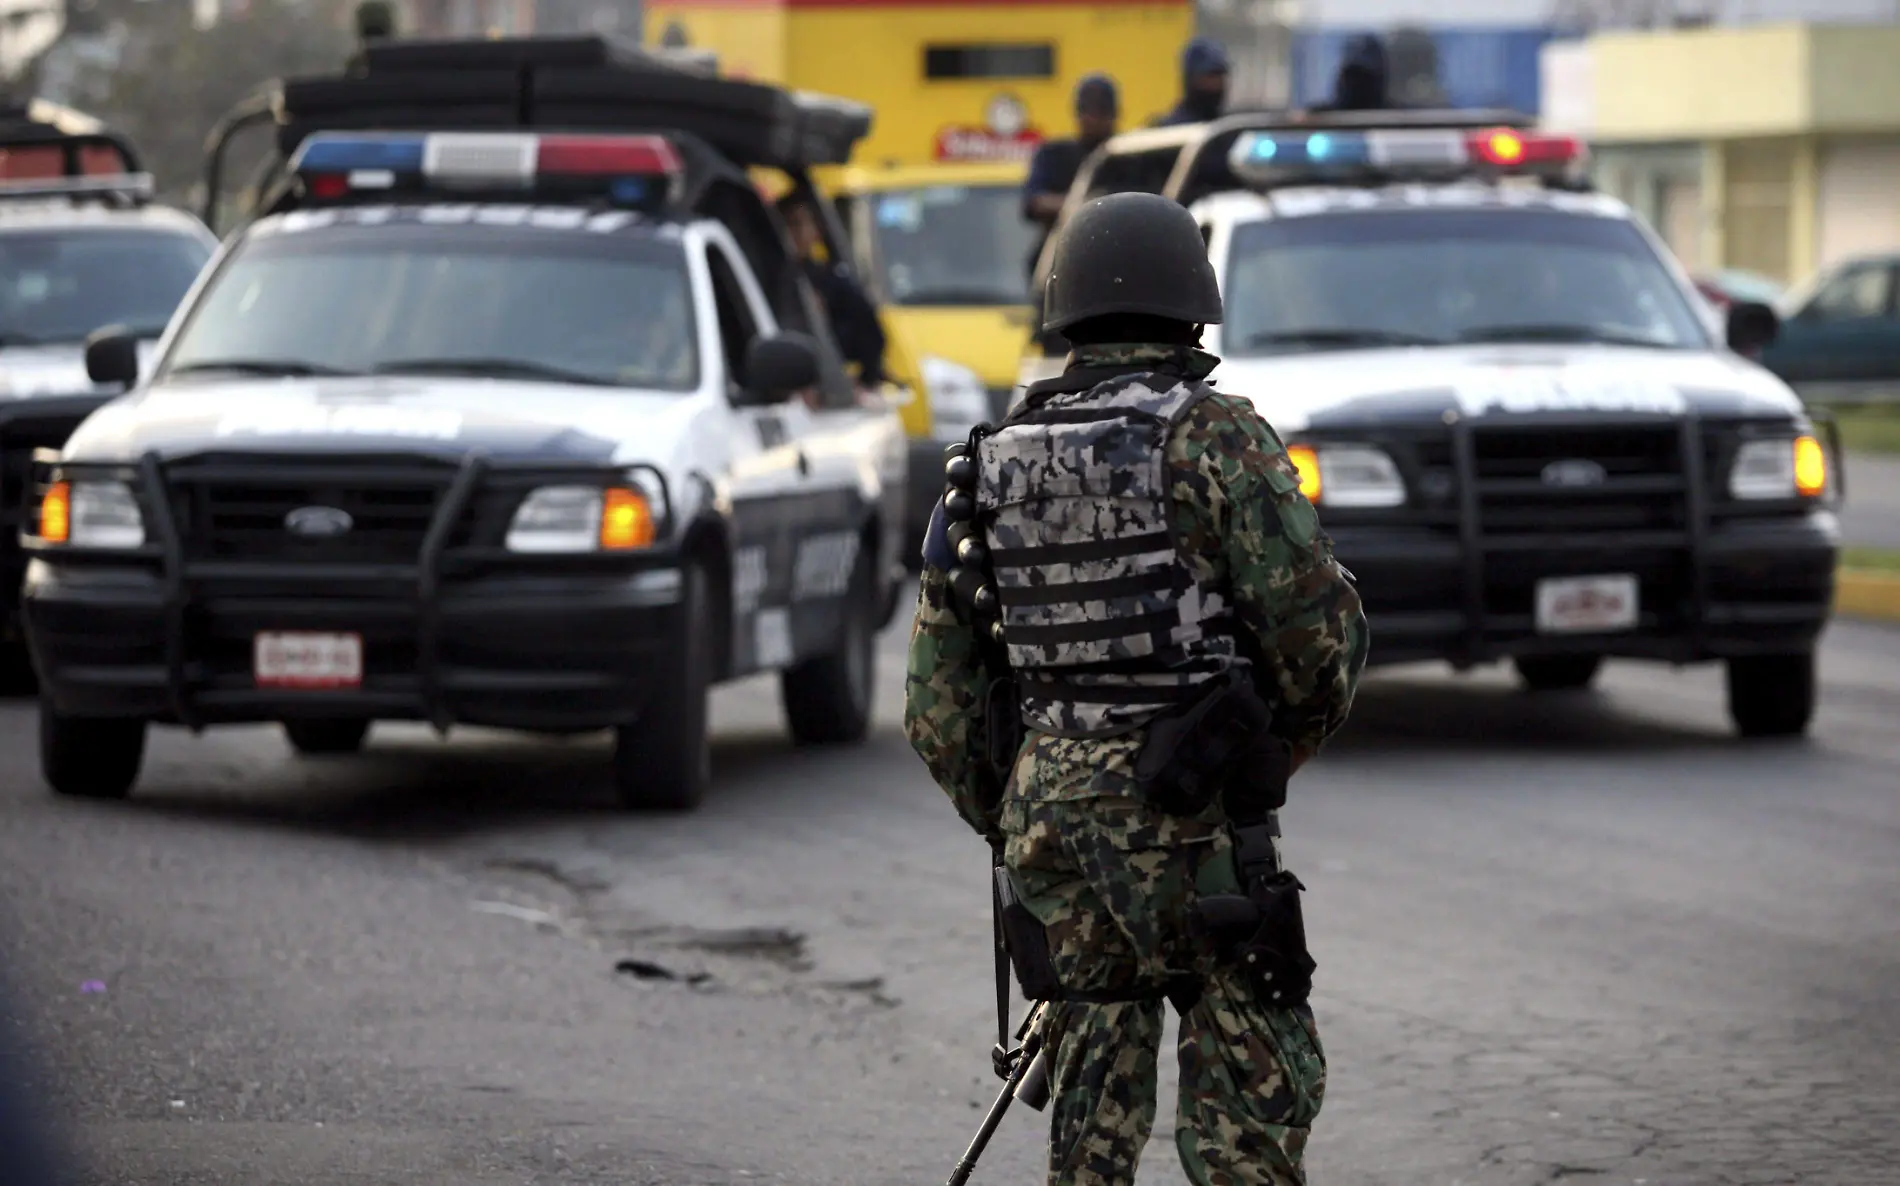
(1526, 435)
(507, 406)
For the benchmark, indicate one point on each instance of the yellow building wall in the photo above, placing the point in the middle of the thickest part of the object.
(1701, 84)
(1855, 78)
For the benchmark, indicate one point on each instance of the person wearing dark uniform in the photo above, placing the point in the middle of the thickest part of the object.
(1052, 170)
(375, 21)
(1203, 84)
(1361, 84)
(852, 315)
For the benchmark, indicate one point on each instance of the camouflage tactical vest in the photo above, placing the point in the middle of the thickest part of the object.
(1103, 620)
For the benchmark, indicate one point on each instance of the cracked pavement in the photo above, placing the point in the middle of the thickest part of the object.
(1574, 938)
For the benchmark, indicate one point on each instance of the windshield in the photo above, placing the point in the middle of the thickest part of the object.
(563, 305)
(953, 245)
(60, 285)
(1428, 277)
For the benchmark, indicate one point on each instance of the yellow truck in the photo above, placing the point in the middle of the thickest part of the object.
(932, 201)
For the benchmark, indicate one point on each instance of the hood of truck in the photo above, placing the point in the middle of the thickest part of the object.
(1347, 389)
(443, 417)
(987, 339)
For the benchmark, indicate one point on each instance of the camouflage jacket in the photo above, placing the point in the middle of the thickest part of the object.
(1241, 519)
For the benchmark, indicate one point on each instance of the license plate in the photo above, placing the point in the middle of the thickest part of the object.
(300, 660)
(1586, 605)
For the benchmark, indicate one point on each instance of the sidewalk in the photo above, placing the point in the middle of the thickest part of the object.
(1871, 518)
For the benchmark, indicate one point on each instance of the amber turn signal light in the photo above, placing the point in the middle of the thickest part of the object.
(626, 520)
(56, 513)
(1306, 460)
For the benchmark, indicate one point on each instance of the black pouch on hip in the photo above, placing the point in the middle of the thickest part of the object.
(1027, 942)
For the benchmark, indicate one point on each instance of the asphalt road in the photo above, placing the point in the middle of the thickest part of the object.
(1586, 936)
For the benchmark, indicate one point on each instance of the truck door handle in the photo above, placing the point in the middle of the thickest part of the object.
(804, 465)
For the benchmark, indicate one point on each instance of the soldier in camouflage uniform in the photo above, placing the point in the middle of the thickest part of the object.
(1230, 571)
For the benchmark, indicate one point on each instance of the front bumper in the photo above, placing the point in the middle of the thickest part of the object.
(26, 426)
(1752, 587)
(461, 635)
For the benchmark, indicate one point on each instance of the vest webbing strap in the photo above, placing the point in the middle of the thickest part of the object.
(1082, 552)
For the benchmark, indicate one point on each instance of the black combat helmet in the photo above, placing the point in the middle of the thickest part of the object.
(1131, 253)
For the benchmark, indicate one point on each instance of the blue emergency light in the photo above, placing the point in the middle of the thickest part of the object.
(1290, 156)
(627, 169)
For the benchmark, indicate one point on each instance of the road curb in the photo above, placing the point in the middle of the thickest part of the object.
(1861, 594)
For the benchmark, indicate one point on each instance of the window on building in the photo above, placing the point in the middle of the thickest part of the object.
(947, 63)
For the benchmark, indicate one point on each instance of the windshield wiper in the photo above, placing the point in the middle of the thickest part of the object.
(1340, 337)
(491, 368)
(286, 367)
(959, 296)
(1559, 332)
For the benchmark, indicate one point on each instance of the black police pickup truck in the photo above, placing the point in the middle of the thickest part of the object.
(1524, 432)
(511, 407)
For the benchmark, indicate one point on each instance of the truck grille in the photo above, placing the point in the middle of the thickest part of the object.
(228, 513)
(1550, 481)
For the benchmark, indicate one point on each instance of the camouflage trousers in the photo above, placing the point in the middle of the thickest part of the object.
(1113, 881)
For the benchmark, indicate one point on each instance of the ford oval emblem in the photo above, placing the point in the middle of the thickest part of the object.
(318, 522)
(1576, 471)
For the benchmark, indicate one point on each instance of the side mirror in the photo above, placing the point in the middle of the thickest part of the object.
(775, 367)
(112, 356)
(1752, 327)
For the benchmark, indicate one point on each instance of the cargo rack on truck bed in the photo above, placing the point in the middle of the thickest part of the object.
(571, 84)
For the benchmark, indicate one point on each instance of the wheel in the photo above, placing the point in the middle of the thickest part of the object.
(828, 698)
(662, 761)
(1771, 695)
(1556, 673)
(312, 738)
(90, 758)
(17, 677)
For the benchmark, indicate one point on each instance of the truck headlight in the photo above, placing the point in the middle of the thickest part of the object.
(581, 519)
(91, 515)
(1779, 467)
(1348, 476)
(958, 399)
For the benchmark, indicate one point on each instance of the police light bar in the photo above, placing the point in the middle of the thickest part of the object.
(1290, 156)
(136, 187)
(339, 165)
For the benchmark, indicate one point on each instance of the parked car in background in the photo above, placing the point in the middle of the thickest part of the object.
(1728, 286)
(1840, 333)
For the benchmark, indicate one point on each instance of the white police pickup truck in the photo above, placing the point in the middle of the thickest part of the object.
(1524, 433)
(497, 427)
(82, 245)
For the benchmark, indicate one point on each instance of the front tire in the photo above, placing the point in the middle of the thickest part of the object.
(90, 758)
(326, 737)
(1557, 673)
(1772, 695)
(828, 699)
(662, 761)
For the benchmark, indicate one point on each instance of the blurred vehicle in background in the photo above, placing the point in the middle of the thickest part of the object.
(1840, 334)
(81, 246)
(952, 80)
(942, 248)
(1731, 286)
(537, 430)
(1506, 400)
(964, 92)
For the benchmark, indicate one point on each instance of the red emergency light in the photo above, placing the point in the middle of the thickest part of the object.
(1508, 148)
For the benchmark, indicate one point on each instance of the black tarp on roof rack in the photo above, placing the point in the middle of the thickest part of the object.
(573, 83)
(39, 124)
